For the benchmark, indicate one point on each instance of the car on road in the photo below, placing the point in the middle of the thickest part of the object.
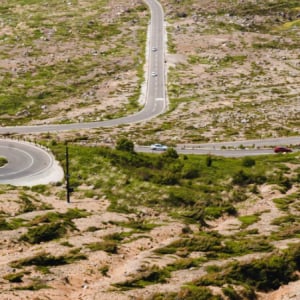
(279, 149)
(159, 147)
(153, 74)
(154, 49)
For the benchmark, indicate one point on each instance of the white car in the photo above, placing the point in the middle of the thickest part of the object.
(153, 74)
(154, 49)
(159, 147)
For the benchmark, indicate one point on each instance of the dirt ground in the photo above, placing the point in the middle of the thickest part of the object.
(83, 279)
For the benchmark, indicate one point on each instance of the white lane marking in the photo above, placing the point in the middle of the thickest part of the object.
(24, 152)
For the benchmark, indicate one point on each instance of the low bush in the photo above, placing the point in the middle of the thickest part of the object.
(3, 161)
(248, 162)
(187, 293)
(241, 178)
(151, 276)
(248, 220)
(109, 246)
(264, 274)
(46, 232)
(44, 259)
(14, 277)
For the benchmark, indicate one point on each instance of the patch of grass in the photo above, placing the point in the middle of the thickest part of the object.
(56, 226)
(27, 203)
(36, 285)
(104, 270)
(189, 293)
(109, 246)
(249, 220)
(46, 232)
(284, 203)
(152, 276)
(3, 161)
(185, 263)
(285, 220)
(44, 259)
(66, 244)
(54, 216)
(137, 225)
(11, 224)
(40, 189)
(14, 277)
(215, 246)
(264, 274)
(288, 230)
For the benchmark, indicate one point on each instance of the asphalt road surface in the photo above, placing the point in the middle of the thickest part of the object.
(27, 164)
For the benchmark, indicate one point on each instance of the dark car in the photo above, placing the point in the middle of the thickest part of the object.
(282, 149)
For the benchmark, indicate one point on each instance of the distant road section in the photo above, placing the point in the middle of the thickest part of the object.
(155, 102)
(28, 164)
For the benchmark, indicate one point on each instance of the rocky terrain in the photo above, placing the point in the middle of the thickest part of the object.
(233, 73)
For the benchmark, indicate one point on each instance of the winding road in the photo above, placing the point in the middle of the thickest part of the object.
(29, 165)
(155, 97)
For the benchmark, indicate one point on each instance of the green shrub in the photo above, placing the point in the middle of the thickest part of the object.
(190, 172)
(46, 232)
(41, 189)
(44, 259)
(124, 144)
(151, 276)
(14, 277)
(248, 162)
(230, 292)
(284, 220)
(4, 225)
(34, 286)
(3, 161)
(264, 274)
(241, 178)
(109, 246)
(104, 270)
(208, 161)
(13, 224)
(188, 293)
(180, 198)
(171, 153)
(248, 220)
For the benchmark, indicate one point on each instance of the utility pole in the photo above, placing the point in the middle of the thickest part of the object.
(67, 175)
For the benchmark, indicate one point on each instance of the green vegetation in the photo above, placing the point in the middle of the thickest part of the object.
(215, 246)
(284, 203)
(34, 286)
(14, 277)
(109, 246)
(46, 232)
(56, 226)
(11, 224)
(3, 161)
(194, 188)
(248, 220)
(46, 260)
(262, 274)
(26, 93)
(187, 293)
(144, 278)
(124, 144)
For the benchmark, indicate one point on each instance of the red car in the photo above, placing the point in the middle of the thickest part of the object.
(282, 149)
